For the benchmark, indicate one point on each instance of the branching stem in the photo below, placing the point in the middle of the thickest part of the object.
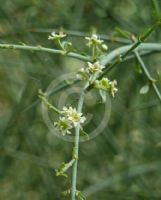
(44, 49)
(148, 75)
(76, 147)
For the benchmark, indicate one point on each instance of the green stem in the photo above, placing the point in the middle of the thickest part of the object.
(64, 167)
(156, 8)
(69, 164)
(112, 59)
(76, 147)
(106, 60)
(147, 74)
(60, 44)
(44, 99)
(40, 48)
(144, 50)
(93, 52)
(132, 47)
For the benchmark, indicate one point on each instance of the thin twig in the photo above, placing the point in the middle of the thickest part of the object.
(116, 53)
(76, 147)
(106, 60)
(66, 85)
(116, 56)
(44, 49)
(148, 75)
(155, 4)
(132, 47)
(145, 49)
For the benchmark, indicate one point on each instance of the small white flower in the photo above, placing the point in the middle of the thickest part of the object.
(73, 116)
(55, 36)
(93, 40)
(113, 88)
(95, 67)
(63, 125)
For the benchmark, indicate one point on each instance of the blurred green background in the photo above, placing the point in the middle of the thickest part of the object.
(123, 162)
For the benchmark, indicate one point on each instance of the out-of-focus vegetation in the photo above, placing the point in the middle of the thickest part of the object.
(124, 160)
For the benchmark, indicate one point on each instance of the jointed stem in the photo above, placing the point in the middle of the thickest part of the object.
(76, 147)
(75, 165)
(133, 47)
(112, 60)
(44, 49)
(147, 74)
(109, 59)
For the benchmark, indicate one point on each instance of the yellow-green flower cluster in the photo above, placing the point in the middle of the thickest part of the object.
(107, 85)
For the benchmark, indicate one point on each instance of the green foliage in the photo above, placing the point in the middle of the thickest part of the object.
(123, 162)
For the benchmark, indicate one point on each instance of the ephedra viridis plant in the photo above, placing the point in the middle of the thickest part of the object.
(94, 75)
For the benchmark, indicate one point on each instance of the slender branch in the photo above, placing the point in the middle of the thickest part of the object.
(76, 147)
(144, 49)
(142, 53)
(45, 101)
(132, 47)
(104, 60)
(113, 59)
(66, 85)
(68, 165)
(156, 8)
(63, 168)
(44, 49)
(115, 54)
(147, 74)
(144, 68)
